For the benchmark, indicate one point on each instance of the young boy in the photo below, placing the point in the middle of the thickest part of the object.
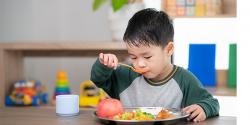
(149, 41)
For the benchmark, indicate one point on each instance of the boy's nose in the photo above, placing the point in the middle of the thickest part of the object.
(141, 64)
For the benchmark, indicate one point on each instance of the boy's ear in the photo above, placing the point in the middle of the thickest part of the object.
(170, 48)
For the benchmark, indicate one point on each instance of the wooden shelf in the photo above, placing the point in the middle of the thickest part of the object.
(221, 91)
(23, 46)
(12, 55)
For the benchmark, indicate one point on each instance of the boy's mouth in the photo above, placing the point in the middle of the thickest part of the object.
(141, 71)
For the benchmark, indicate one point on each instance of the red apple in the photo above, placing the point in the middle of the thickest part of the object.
(108, 108)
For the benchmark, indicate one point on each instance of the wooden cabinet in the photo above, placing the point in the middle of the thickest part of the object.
(12, 55)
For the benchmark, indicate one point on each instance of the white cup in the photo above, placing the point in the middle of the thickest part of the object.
(67, 105)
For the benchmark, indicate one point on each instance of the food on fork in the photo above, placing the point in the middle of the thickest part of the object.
(140, 71)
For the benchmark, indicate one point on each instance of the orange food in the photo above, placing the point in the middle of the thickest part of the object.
(163, 114)
(140, 71)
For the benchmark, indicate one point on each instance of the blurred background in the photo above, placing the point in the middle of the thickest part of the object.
(75, 21)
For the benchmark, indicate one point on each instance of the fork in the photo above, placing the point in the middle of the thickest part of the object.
(132, 68)
(126, 65)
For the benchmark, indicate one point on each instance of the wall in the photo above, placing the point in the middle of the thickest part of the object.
(52, 20)
(56, 21)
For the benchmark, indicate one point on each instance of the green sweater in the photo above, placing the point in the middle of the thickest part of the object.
(178, 90)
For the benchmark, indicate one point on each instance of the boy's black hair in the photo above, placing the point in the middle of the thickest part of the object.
(149, 27)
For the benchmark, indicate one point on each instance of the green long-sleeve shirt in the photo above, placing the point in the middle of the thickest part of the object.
(178, 90)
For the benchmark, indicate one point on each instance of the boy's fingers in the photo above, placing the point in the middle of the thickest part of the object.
(115, 62)
(189, 109)
(185, 109)
(110, 60)
(194, 114)
(199, 118)
(105, 59)
(101, 57)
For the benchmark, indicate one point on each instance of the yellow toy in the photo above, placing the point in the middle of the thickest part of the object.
(90, 95)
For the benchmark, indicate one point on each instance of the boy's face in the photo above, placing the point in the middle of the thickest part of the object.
(155, 60)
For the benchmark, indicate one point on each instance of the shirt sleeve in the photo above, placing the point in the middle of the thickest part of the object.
(195, 93)
(113, 82)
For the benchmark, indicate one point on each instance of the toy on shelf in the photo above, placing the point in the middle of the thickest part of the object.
(26, 93)
(62, 85)
(90, 95)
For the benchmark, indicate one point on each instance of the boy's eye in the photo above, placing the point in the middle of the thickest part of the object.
(147, 57)
(133, 58)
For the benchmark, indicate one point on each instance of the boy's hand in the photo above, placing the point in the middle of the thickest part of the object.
(196, 112)
(109, 60)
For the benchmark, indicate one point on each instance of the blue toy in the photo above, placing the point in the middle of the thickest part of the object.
(202, 63)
